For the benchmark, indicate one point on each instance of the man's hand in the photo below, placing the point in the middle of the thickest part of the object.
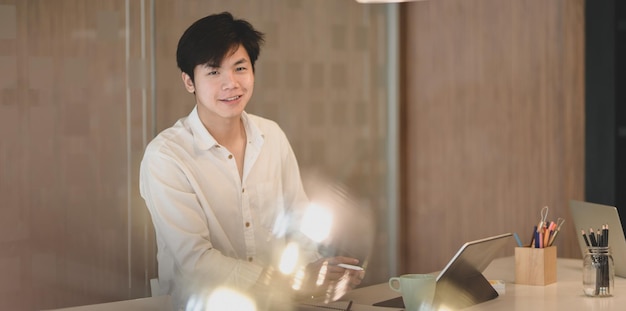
(326, 273)
(322, 278)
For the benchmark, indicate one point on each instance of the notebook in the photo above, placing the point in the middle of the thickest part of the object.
(588, 215)
(461, 283)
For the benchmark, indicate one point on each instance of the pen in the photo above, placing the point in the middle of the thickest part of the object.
(349, 307)
(585, 237)
(557, 228)
(546, 238)
(592, 238)
(532, 240)
(537, 239)
(519, 243)
(351, 267)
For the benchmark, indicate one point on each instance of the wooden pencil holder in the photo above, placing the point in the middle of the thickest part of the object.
(535, 266)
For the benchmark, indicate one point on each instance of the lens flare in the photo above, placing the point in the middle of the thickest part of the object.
(316, 222)
(298, 279)
(322, 275)
(228, 299)
(222, 298)
(289, 259)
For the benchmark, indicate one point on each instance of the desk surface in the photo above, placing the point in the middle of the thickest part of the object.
(157, 303)
(565, 294)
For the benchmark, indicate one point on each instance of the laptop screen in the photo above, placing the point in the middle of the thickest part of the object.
(588, 216)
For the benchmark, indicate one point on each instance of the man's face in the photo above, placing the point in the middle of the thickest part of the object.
(222, 90)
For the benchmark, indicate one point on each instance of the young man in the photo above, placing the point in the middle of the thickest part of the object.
(217, 181)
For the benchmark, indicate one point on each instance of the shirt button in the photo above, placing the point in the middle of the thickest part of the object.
(230, 156)
(247, 224)
(243, 190)
(250, 259)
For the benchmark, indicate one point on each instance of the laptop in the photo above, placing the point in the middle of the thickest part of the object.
(461, 283)
(588, 215)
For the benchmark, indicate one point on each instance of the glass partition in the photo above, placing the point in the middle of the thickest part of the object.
(322, 76)
(86, 84)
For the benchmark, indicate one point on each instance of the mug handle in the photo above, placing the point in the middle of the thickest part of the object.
(394, 283)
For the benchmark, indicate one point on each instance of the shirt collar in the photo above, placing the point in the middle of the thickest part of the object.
(201, 136)
(204, 140)
(253, 132)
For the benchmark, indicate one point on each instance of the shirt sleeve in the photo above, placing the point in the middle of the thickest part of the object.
(296, 198)
(182, 226)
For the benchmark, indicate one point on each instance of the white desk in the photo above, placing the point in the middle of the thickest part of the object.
(157, 303)
(565, 294)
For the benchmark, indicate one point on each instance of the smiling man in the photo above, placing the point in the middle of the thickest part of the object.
(217, 181)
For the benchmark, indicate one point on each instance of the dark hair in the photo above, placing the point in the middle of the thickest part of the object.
(211, 38)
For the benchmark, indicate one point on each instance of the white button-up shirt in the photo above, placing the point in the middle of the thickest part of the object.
(212, 226)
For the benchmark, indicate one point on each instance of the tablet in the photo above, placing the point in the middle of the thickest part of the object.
(461, 283)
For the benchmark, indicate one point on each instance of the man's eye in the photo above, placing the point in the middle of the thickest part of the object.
(242, 68)
(212, 73)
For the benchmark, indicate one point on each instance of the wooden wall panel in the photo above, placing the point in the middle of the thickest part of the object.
(493, 120)
(72, 232)
(76, 113)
